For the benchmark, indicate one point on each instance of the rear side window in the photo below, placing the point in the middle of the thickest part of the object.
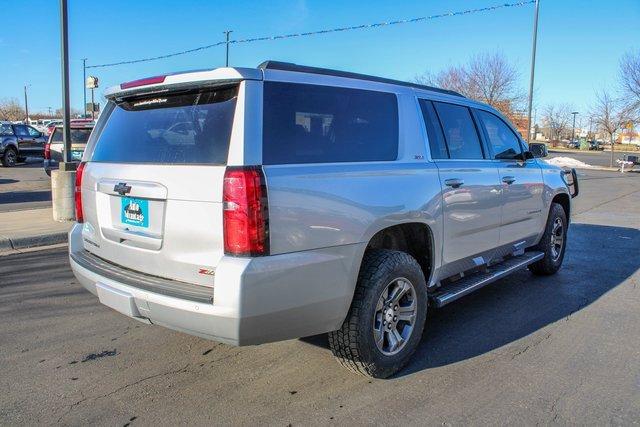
(322, 124)
(504, 142)
(459, 131)
(78, 136)
(6, 129)
(21, 130)
(191, 127)
(434, 131)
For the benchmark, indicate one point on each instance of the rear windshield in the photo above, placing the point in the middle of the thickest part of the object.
(191, 127)
(322, 124)
(78, 136)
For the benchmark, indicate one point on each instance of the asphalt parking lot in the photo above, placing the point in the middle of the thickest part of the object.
(525, 350)
(25, 186)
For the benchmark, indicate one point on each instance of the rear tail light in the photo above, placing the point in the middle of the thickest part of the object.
(47, 151)
(78, 192)
(245, 212)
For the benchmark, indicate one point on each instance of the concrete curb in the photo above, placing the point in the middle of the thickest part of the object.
(25, 242)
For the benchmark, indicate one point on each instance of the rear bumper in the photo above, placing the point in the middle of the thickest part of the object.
(255, 300)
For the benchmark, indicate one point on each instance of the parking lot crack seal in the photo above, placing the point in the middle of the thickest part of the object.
(530, 346)
(119, 389)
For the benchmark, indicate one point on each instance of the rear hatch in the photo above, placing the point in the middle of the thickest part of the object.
(79, 138)
(152, 187)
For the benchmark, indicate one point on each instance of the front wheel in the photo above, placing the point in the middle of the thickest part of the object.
(553, 242)
(385, 322)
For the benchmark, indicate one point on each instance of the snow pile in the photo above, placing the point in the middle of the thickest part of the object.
(568, 162)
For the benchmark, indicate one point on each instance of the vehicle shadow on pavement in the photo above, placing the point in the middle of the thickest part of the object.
(8, 181)
(522, 303)
(25, 196)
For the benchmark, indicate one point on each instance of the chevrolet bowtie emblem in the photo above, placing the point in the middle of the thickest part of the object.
(122, 188)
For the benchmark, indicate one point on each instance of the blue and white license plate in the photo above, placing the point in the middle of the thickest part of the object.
(134, 212)
(76, 155)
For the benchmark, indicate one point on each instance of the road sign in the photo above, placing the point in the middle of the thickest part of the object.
(92, 82)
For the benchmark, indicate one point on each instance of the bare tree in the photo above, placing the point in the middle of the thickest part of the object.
(610, 115)
(630, 79)
(556, 118)
(487, 77)
(11, 109)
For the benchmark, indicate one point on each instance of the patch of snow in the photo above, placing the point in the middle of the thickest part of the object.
(568, 162)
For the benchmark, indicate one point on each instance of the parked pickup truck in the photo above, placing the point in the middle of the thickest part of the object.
(54, 149)
(18, 141)
(255, 205)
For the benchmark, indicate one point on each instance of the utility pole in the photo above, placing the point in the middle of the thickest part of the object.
(533, 66)
(227, 33)
(573, 129)
(84, 85)
(26, 104)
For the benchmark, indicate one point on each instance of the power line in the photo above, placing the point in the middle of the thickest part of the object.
(312, 33)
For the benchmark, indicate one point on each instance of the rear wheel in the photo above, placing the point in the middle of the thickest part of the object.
(10, 157)
(553, 242)
(385, 322)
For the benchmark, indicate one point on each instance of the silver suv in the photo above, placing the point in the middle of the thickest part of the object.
(256, 205)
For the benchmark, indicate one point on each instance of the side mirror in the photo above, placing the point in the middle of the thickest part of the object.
(538, 149)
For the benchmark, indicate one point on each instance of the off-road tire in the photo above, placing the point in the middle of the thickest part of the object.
(353, 344)
(7, 161)
(548, 265)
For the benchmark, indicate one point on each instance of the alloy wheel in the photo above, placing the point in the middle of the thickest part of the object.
(395, 316)
(557, 238)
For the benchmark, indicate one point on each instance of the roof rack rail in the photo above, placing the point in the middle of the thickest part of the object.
(288, 66)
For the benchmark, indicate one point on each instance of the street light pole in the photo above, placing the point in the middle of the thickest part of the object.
(26, 105)
(533, 67)
(63, 180)
(84, 85)
(66, 109)
(227, 33)
(573, 129)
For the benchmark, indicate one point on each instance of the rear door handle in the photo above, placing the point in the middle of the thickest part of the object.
(509, 179)
(453, 182)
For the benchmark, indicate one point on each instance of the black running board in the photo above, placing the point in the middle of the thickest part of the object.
(468, 284)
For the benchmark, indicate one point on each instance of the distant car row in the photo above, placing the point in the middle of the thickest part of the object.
(19, 141)
(593, 145)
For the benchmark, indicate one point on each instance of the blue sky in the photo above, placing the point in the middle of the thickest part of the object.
(579, 45)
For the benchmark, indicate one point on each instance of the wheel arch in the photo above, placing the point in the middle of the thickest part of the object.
(414, 238)
(564, 200)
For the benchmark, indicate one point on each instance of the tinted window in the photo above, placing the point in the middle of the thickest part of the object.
(182, 128)
(459, 131)
(504, 142)
(33, 132)
(320, 124)
(5, 129)
(21, 130)
(434, 131)
(78, 136)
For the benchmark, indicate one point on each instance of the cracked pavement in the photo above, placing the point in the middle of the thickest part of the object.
(525, 350)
